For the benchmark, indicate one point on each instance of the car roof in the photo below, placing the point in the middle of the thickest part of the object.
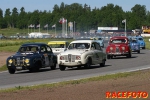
(119, 37)
(83, 41)
(57, 42)
(37, 44)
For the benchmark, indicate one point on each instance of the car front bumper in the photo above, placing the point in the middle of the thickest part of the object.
(71, 64)
(118, 54)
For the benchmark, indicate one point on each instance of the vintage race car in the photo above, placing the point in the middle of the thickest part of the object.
(135, 45)
(58, 46)
(141, 41)
(99, 40)
(81, 53)
(118, 46)
(32, 56)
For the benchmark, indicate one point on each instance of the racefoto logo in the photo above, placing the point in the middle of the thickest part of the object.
(126, 95)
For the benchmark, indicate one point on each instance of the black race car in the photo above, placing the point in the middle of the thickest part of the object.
(32, 56)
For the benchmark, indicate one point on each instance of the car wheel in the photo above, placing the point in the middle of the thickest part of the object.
(35, 68)
(108, 56)
(79, 67)
(111, 57)
(143, 47)
(103, 45)
(62, 68)
(138, 51)
(129, 55)
(11, 70)
(53, 67)
(102, 64)
(88, 64)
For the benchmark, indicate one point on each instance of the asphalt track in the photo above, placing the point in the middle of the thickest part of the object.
(46, 76)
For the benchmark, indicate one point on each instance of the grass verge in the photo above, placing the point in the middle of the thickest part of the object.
(3, 68)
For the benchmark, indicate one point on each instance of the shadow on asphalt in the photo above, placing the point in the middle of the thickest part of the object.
(41, 70)
(82, 68)
(137, 53)
(122, 57)
(67, 69)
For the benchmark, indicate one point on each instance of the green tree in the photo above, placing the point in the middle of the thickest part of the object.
(22, 19)
(14, 17)
(138, 15)
(7, 17)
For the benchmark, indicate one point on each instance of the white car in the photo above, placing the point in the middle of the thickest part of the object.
(81, 53)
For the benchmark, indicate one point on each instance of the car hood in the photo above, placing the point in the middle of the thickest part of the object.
(134, 44)
(23, 55)
(74, 52)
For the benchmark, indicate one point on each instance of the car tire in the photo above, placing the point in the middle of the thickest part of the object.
(88, 63)
(53, 67)
(129, 55)
(11, 70)
(62, 68)
(108, 56)
(36, 67)
(79, 67)
(138, 51)
(102, 64)
(103, 45)
(143, 47)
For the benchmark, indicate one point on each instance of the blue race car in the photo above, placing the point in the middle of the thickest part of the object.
(141, 41)
(135, 45)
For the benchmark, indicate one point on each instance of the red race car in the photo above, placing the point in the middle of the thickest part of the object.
(118, 46)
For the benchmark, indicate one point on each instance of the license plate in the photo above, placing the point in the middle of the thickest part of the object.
(18, 67)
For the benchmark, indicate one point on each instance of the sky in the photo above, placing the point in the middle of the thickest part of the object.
(41, 5)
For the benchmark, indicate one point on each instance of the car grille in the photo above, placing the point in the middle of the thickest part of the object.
(117, 49)
(134, 47)
(70, 58)
(18, 61)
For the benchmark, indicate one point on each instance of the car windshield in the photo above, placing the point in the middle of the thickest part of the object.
(79, 46)
(56, 45)
(28, 49)
(134, 41)
(118, 41)
(140, 39)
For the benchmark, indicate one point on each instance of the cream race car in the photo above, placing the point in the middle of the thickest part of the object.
(81, 53)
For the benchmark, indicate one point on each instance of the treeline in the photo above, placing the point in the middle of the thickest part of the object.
(84, 17)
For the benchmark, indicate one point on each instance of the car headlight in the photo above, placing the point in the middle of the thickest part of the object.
(27, 60)
(61, 58)
(111, 48)
(78, 57)
(123, 48)
(10, 61)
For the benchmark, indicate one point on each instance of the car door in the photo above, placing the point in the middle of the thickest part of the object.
(50, 55)
(45, 56)
(99, 52)
(95, 53)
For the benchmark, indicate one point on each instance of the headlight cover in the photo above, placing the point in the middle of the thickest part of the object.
(111, 48)
(27, 60)
(123, 48)
(10, 61)
(78, 57)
